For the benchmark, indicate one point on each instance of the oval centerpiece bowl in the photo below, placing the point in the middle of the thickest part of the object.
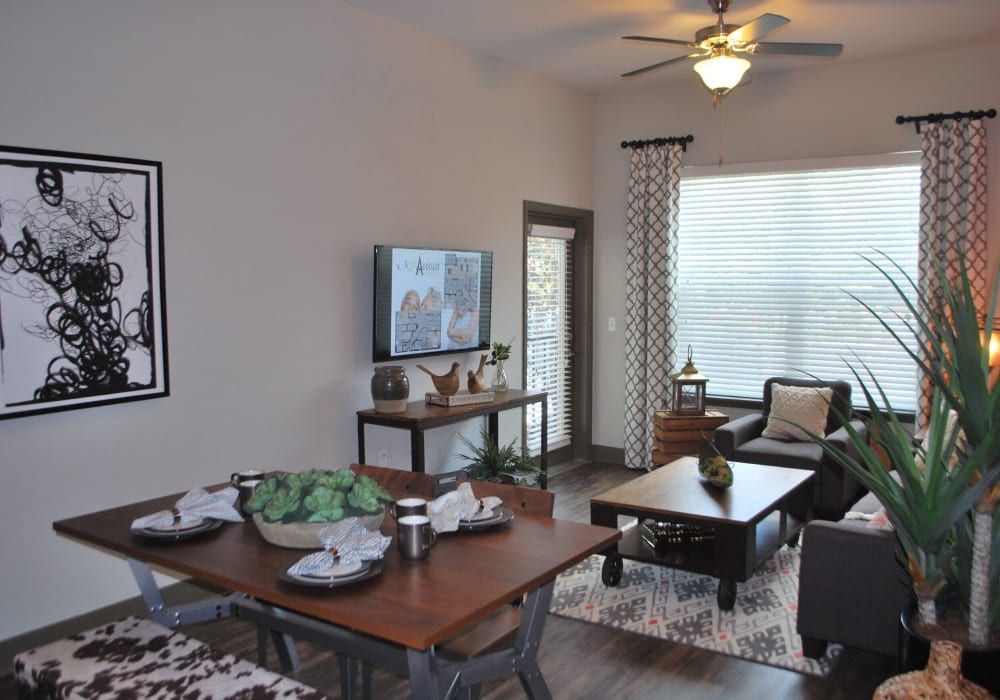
(304, 535)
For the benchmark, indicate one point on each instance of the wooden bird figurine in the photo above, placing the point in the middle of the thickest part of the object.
(477, 383)
(446, 384)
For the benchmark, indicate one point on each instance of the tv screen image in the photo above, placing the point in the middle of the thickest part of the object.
(430, 301)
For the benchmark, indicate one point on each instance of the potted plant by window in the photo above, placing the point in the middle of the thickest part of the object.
(490, 462)
(943, 499)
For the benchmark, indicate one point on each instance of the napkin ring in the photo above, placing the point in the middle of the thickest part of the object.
(176, 512)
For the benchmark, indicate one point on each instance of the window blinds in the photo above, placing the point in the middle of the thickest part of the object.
(549, 338)
(767, 263)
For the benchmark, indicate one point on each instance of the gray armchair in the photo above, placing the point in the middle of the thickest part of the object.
(740, 440)
(852, 585)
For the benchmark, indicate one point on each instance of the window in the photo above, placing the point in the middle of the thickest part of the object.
(768, 261)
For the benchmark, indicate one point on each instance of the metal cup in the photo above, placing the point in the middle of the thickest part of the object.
(408, 506)
(415, 536)
(246, 475)
(247, 489)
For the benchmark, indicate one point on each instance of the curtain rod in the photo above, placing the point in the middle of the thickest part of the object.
(663, 141)
(939, 117)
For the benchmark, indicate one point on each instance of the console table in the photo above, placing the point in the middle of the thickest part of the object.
(420, 416)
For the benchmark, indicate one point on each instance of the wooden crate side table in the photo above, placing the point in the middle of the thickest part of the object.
(682, 436)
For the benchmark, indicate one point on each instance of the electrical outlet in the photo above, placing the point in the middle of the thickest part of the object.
(383, 458)
(611, 323)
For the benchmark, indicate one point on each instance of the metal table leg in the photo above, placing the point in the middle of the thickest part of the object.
(172, 616)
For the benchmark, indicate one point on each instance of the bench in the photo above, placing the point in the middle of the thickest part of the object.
(139, 658)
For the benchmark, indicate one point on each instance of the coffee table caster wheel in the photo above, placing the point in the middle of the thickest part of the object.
(611, 572)
(727, 594)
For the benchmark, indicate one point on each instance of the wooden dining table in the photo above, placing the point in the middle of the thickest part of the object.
(394, 620)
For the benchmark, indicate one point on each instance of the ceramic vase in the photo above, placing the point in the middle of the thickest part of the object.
(390, 389)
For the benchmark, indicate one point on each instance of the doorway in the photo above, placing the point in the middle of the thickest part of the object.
(557, 327)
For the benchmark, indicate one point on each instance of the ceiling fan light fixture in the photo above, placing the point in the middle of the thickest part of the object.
(722, 72)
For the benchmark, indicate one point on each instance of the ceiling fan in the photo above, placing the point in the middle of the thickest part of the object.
(719, 45)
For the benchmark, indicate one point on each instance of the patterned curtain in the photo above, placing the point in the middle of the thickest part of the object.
(952, 215)
(651, 272)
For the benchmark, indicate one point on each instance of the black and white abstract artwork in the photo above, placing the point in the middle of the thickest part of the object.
(82, 300)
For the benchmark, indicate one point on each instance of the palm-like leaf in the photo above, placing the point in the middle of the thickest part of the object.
(949, 350)
(929, 497)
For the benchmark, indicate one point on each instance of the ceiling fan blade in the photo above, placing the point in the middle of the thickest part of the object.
(753, 30)
(657, 40)
(792, 49)
(661, 64)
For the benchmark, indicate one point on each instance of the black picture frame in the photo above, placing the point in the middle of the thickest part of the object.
(82, 290)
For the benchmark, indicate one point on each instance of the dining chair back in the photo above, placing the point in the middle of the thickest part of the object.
(520, 499)
(398, 482)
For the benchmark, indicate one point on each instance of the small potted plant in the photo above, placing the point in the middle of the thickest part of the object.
(490, 462)
(499, 355)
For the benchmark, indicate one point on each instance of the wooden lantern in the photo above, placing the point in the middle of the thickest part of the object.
(689, 390)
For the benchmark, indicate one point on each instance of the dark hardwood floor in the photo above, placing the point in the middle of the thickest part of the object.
(582, 660)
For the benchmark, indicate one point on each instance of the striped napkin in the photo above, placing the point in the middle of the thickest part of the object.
(348, 541)
(196, 504)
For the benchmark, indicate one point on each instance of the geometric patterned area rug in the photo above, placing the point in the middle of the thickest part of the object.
(681, 607)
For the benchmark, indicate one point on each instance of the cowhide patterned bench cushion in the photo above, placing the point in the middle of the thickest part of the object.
(137, 658)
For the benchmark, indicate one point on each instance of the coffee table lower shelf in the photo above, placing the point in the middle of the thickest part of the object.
(703, 554)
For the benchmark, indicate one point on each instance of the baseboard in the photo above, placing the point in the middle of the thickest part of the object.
(177, 594)
(608, 455)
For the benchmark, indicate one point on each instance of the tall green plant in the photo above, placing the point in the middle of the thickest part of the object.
(929, 497)
(944, 503)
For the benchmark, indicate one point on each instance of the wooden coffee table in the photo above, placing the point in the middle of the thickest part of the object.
(725, 533)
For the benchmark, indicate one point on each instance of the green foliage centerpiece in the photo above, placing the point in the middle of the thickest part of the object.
(317, 496)
(290, 508)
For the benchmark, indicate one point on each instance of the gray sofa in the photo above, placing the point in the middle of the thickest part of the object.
(740, 440)
(852, 585)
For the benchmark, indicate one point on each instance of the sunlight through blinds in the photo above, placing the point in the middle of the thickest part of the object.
(549, 333)
(767, 264)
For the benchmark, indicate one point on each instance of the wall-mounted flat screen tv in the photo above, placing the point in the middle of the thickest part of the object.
(430, 301)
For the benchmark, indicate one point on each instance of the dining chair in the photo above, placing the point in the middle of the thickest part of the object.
(499, 629)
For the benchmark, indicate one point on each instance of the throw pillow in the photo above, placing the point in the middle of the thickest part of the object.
(880, 520)
(805, 405)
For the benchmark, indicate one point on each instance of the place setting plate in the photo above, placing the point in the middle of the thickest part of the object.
(179, 531)
(483, 521)
(337, 575)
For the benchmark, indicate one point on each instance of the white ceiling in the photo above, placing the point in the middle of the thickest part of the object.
(578, 42)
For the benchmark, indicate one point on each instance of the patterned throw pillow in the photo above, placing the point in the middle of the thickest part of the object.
(804, 405)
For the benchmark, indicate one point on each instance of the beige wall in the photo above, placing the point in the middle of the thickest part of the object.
(836, 109)
(294, 135)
